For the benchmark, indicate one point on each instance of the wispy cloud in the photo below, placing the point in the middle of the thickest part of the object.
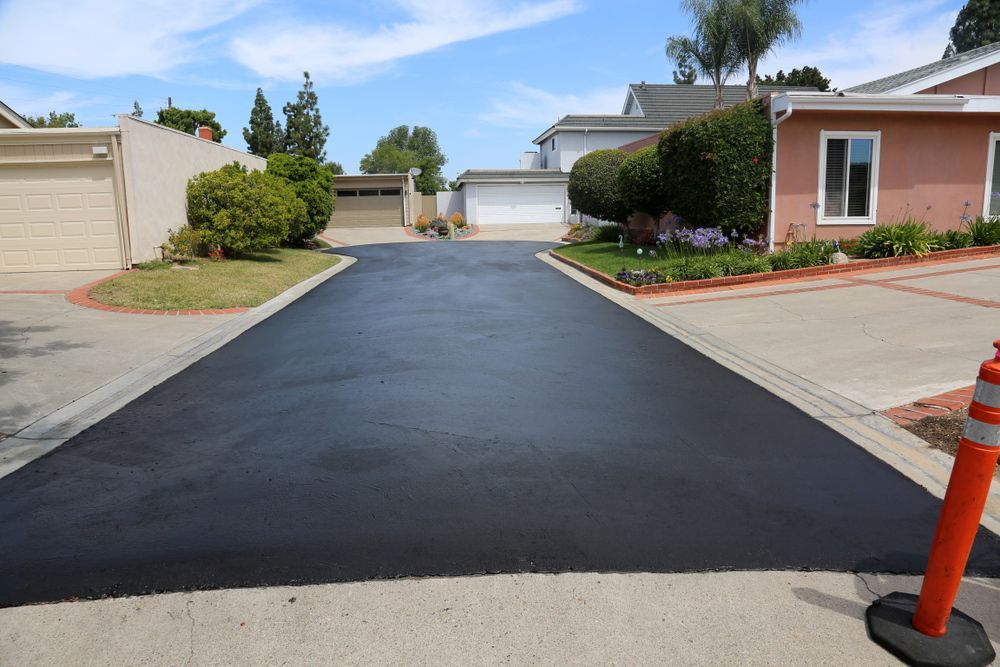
(34, 103)
(888, 38)
(350, 53)
(523, 106)
(101, 38)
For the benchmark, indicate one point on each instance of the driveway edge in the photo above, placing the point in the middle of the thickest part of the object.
(877, 435)
(52, 430)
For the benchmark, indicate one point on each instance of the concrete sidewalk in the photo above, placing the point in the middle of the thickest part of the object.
(879, 339)
(352, 236)
(746, 618)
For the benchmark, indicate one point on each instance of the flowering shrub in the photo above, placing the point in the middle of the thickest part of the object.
(185, 242)
(802, 255)
(639, 277)
(422, 223)
(217, 254)
(707, 241)
(458, 220)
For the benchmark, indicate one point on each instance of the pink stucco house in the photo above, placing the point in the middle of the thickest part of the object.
(921, 142)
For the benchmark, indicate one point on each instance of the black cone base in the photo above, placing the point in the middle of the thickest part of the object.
(965, 644)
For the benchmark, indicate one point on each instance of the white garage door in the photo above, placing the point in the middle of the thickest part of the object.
(55, 218)
(515, 204)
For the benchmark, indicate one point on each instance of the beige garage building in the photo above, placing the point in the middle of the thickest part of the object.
(95, 198)
(375, 200)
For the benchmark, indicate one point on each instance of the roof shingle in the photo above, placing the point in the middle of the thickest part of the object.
(892, 82)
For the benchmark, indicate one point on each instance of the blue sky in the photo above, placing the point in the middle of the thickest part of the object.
(487, 75)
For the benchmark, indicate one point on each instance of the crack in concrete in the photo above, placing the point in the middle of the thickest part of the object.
(187, 610)
(860, 578)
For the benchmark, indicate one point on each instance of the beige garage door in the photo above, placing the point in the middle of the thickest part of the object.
(55, 218)
(368, 208)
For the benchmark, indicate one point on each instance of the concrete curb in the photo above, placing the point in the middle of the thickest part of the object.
(47, 433)
(877, 435)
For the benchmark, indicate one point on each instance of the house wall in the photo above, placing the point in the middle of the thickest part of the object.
(471, 203)
(571, 146)
(158, 162)
(985, 81)
(6, 124)
(926, 160)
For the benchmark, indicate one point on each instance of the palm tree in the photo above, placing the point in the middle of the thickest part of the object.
(760, 26)
(713, 48)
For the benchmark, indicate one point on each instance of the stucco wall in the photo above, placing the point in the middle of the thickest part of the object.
(158, 162)
(935, 160)
(985, 81)
(450, 201)
(572, 145)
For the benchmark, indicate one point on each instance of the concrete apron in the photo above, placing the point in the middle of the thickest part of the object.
(709, 618)
(878, 435)
(47, 433)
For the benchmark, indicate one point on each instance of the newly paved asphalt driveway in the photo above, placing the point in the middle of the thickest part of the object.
(451, 409)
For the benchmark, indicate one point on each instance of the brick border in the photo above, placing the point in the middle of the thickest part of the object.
(333, 240)
(409, 232)
(81, 297)
(829, 270)
(933, 406)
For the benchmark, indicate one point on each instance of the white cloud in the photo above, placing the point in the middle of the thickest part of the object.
(101, 38)
(888, 38)
(351, 53)
(525, 107)
(32, 103)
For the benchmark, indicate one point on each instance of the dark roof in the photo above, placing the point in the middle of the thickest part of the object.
(667, 104)
(507, 174)
(892, 82)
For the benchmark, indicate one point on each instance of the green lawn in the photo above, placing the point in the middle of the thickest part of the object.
(232, 283)
(608, 258)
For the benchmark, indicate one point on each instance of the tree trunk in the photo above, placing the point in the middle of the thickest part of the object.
(752, 79)
(718, 95)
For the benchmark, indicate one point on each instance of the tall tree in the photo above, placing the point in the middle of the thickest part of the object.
(685, 74)
(305, 133)
(186, 120)
(54, 119)
(760, 26)
(136, 109)
(977, 24)
(712, 48)
(264, 136)
(334, 168)
(809, 77)
(400, 150)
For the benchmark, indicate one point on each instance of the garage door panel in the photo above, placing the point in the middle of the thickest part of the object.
(521, 204)
(368, 211)
(57, 218)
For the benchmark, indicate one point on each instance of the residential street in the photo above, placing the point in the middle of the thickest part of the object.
(446, 409)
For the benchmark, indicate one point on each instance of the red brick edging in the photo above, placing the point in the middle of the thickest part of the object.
(81, 297)
(773, 276)
(934, 406)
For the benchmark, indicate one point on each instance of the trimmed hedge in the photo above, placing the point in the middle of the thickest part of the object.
(241, 210)
(640, 182)
(593, 185)
(314, 186)
(715, 168)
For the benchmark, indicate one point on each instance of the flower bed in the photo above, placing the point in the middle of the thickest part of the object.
(787, 274)
(455, 228)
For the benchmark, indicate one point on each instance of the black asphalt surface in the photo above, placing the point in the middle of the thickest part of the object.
(447, 409)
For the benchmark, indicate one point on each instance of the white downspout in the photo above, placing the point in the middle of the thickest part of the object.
(775, 122)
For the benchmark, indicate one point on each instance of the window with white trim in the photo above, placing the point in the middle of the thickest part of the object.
(848, 178)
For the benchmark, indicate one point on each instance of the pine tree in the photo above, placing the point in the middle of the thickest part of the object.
(264, 136)
(305, 133)
(136, 109)
(977, 24)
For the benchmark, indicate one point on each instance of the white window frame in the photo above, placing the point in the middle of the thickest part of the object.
(872, 216)
(988, 181)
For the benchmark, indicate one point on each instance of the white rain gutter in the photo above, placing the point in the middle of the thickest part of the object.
(775, 122)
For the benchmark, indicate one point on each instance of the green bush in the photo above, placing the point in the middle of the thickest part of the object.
(953, 239)
(313, 185)
(640, 182)
(802, 255)
(609, 233)
(185, 242)
(695, 268)
(742, 263)
(593, 185)
(985, 231)
(243, 211)
(910, 237)
(715, 168)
